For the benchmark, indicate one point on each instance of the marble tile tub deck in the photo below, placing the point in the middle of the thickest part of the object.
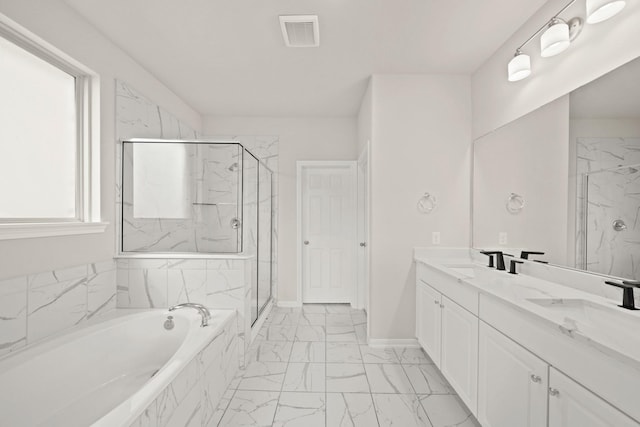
(311, 367)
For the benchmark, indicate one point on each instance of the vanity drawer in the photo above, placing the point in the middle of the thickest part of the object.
(451, 287)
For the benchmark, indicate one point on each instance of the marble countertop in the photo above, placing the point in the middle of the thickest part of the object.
(586, 317)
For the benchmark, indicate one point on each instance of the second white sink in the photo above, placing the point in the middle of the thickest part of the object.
(612, 322)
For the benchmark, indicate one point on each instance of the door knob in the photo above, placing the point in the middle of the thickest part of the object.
(363, 244)
(306, 242)
(553, 391)
(536, 378)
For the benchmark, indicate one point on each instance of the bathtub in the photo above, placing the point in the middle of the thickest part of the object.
(126, 370)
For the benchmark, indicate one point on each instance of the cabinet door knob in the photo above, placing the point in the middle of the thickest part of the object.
(536, 378)
(306, 242)
(436, 302)
(553, 392)
(363, 244)
(441, 305)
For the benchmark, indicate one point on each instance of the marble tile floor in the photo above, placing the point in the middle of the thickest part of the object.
(311, 367)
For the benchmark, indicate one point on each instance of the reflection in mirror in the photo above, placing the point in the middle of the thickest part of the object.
(605, 131)
(576, 162)
(529, 160)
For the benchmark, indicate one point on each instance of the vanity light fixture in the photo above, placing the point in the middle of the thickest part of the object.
(519, 67)
(601, 10)
(557, 34)
(555, 38)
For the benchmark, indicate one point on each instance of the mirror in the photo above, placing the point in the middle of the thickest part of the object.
(565, 179)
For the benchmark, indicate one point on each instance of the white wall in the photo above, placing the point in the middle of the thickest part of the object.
(421, 129)
(530, 157)
(365, 120)
(55, 22)
(300, 139)
(599, 49)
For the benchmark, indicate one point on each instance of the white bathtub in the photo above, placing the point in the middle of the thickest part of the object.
(109, 373)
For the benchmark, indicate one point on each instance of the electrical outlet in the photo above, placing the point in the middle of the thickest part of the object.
(502, 238)
(435, 237)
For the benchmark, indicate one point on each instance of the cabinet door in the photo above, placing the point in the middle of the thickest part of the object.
(571, 405)
(428, 320)
(512, 383)
(459, 358)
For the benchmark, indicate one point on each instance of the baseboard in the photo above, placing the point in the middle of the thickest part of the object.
(383, 343)
(289, 304)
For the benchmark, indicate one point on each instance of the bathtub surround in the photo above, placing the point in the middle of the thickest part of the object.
(40, 305)
(153, 376)
(195, 396)
(218, 281)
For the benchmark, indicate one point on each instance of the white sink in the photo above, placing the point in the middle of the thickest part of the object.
(608, 322)
(465, 270)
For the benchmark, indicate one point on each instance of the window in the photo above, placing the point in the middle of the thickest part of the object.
(49, 164)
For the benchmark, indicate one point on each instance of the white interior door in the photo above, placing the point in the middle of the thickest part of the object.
(361, 298)
(327, 231)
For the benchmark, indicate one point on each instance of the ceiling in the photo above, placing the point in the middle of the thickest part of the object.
(615, 95)
(227, 57)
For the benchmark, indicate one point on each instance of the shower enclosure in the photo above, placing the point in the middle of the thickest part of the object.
(199, 198)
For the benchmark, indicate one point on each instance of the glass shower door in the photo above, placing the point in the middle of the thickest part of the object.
(250, 225)
(613, 222)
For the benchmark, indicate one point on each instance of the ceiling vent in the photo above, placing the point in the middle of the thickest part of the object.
(300, 30)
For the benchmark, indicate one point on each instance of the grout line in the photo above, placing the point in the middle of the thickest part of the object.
(326, 397)
(228, 404)
(373, 404)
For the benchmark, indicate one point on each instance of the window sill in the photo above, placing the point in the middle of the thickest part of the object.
(49, 229)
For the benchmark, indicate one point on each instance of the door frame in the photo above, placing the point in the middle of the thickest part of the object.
(362, 289)
(300, 165)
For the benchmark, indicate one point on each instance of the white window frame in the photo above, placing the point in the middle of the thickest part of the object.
(87, 218)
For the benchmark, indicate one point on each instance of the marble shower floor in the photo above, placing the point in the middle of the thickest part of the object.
(311, 367)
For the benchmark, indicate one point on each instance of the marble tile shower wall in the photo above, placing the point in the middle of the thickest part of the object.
(266, 149)
(598, 247)
(39, 305)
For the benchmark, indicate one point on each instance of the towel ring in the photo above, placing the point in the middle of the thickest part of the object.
(427, 203)
(515, 203)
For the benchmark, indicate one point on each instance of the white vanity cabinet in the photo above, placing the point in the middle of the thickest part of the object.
(571, 405)
(459, 351)
(449, 334)
(513, 368)
(512, 383)
(428, 320)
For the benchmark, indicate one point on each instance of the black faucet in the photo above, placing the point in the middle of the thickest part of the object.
(512, 266)
(627, 292)
(490, 255)
(499, 259)
(525, 254)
